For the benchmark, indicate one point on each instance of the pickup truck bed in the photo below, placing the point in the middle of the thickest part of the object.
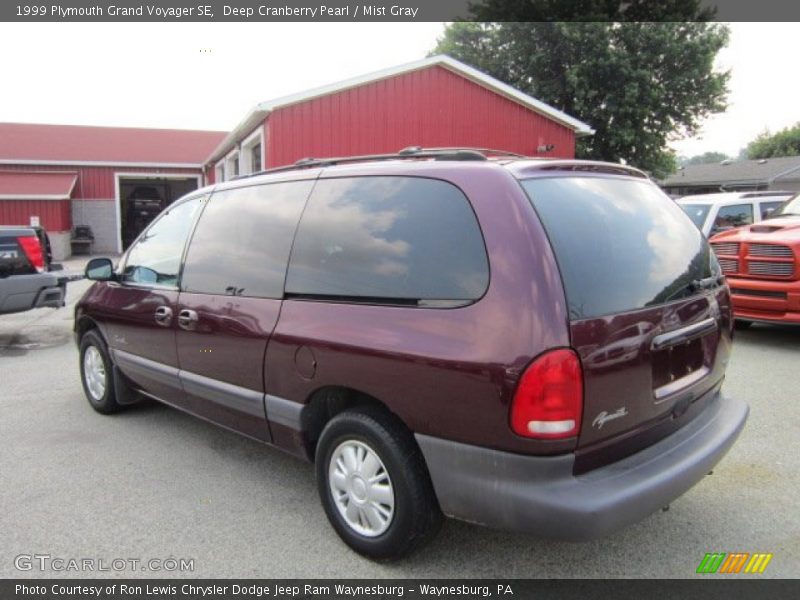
(23, 285)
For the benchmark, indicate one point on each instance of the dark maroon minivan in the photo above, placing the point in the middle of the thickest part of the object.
(534, 345)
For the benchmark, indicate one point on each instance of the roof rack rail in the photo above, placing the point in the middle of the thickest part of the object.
(410, 152)
(405, 153)
(485, 151)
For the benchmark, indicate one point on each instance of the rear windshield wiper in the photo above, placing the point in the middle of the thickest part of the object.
(697, 285)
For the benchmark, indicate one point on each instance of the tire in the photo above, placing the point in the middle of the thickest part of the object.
(398, 512)
(97, 374)
(742, 324)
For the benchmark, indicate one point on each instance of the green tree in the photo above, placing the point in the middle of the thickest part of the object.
(639, 85)
(590, 10)
(784, 143)
(706, 158)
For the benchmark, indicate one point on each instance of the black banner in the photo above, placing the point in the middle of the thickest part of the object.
(370, 589)
(380, 10)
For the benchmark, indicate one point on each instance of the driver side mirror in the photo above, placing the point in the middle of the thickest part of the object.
(99, 269)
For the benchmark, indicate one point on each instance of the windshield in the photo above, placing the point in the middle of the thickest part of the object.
(697, 213)
(621, 244)
(789, 208)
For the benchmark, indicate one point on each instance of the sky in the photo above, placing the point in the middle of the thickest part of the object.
(208, 76)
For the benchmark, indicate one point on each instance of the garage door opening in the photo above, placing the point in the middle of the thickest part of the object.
(142, 198)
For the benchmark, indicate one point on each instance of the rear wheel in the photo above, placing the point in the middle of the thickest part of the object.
(374, 484)
(97, 374)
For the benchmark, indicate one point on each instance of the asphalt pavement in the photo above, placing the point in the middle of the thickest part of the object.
(152, 483)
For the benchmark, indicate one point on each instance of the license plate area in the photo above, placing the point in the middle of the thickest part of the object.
(677, 367)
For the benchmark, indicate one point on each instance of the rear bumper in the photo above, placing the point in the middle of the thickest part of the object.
(764, 300)
(24, 292)
(540, 495)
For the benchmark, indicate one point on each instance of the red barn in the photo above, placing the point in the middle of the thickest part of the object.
(113, 179)
(433, 102)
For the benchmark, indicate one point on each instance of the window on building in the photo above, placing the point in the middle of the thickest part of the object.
(251, 152)
(231, 165)
(391, 239)
(255, 158)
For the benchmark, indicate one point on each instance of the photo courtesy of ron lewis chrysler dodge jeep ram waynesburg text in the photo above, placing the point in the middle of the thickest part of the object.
(532, 345)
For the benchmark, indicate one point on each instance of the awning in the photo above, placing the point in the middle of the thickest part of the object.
(36, 185)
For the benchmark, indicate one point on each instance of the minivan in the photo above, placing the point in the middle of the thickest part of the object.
(532, 345)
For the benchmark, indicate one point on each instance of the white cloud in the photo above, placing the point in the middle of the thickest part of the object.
(185, 75)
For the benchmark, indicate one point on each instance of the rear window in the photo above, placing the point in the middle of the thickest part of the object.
(789, 208)
(621, 244)
(394, 239)
(767, 208)
(697, 213)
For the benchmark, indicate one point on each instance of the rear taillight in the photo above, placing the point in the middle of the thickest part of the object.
(548, 402)
(32, 248)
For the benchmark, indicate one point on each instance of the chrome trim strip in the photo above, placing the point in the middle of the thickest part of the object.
(684, 334)
(680, 384)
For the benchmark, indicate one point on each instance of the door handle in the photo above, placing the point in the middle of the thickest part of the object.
(163, 316)
(187, 319)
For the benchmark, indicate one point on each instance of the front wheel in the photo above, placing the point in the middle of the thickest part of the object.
(374, 484)
(97, 375)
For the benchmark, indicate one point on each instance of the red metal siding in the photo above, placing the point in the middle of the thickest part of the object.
(97, 183)
(54, 215)
(429, 107)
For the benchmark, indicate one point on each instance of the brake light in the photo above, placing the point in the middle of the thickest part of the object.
(548, 402)
(32, 248)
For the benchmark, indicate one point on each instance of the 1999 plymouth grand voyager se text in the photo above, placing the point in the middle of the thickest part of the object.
(534, 345)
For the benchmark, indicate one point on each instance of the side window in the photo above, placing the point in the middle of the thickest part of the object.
(241, 244)
(155, 259)
(733, 216)
(396, 239)
(768, 207)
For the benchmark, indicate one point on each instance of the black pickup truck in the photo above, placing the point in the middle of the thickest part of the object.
(28, 278)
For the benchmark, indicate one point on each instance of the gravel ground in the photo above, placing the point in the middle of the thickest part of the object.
(153, 483)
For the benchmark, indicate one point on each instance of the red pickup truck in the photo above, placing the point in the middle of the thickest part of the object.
(761, 262)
